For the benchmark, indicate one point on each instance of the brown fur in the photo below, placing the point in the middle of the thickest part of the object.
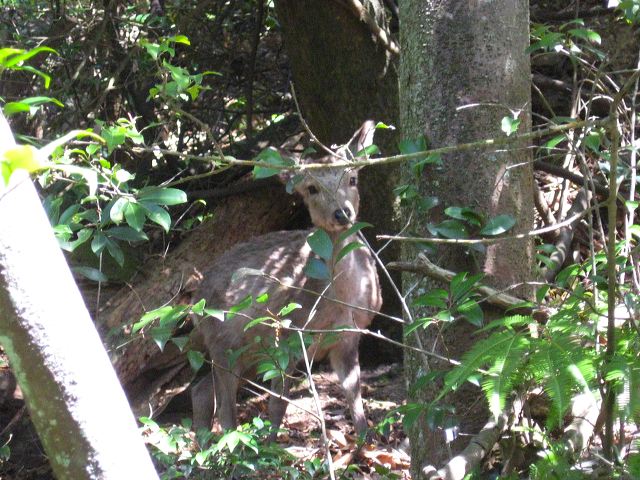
(332, 198)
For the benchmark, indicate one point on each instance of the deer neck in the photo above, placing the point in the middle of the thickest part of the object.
(344, 271)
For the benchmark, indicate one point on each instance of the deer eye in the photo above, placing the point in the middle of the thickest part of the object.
(312, 189)
(353, 181)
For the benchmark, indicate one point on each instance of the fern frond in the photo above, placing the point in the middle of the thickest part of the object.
(496, 387)
(634, 393)
(485, 352)
(559, 383)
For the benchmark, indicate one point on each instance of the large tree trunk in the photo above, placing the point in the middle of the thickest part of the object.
(344, 74)
(76, 403)
(457, 54)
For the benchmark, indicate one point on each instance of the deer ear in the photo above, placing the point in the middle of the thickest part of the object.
(287, 177)
(362, 138)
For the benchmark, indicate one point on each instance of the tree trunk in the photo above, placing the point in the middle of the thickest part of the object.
(344, 74)
(76, 403)
(470, 54)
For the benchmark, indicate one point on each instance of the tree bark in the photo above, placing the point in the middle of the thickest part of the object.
(344, 74)
(76, 403)
(470, 54)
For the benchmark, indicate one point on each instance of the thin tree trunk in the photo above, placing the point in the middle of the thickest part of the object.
(76, 403)
(465, 54)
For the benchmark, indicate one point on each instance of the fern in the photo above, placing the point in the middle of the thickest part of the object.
(499, 383)
(489, 351)
(556, 368)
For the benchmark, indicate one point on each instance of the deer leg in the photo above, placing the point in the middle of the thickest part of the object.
(203, 402)
(278, 405)
(345, 362)
(226, 390)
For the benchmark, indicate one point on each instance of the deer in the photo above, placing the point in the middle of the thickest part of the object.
(348, 299)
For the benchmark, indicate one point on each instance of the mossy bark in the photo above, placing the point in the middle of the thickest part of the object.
(472, 55)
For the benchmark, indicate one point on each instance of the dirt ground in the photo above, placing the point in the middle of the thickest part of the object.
(383, 389)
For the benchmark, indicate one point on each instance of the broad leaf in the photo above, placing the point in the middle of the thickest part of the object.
(498, 225)
(316, 268)
(162, 196)
(321, 244)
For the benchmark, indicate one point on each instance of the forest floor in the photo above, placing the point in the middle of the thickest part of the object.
(383, 389)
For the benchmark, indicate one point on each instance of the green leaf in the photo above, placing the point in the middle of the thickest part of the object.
(286, 310)
(91, 273)
(463, 213)
(127, 234)
(198, 308)
(356, 227)
(179, 39)
(550, 144)
(427, 203)
(148, 317)
(321, 244)
(347, 249)
(243, 304)
(586, 34)
(471, 312)
(162, 196)
(116, 212)
(498, 385)
(437, 298)
(270, 157)
(483, 352)
(115, 251)
(161, 335)
(498, 225)
(83, 236)
(316, 268)
(215, 313)
(509, 125)
(98, 243)
(258, 321)
(593, 141)
(157, 215)
(19, 56)
(89, 175)
(29, 104)
(135, 216)
(180, 342)
(462, 284)
(196, 359)
(449, 229)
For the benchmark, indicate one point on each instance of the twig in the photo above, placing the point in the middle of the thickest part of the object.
(612, 208)
(380, 34)
(479, 446)
(469, 241)
(542, 206)
(316, 400)
(426, 267)
(580, 204)
(393, 159)
(572, 177)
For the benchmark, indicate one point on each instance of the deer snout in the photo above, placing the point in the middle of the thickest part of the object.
(344, 216)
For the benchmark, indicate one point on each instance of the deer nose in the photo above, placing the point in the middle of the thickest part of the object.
(343, 216)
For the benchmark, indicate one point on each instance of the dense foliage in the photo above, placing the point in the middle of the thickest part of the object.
(122, 114)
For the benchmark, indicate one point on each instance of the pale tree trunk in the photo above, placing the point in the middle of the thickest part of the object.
(471, 54)
(76, 403)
